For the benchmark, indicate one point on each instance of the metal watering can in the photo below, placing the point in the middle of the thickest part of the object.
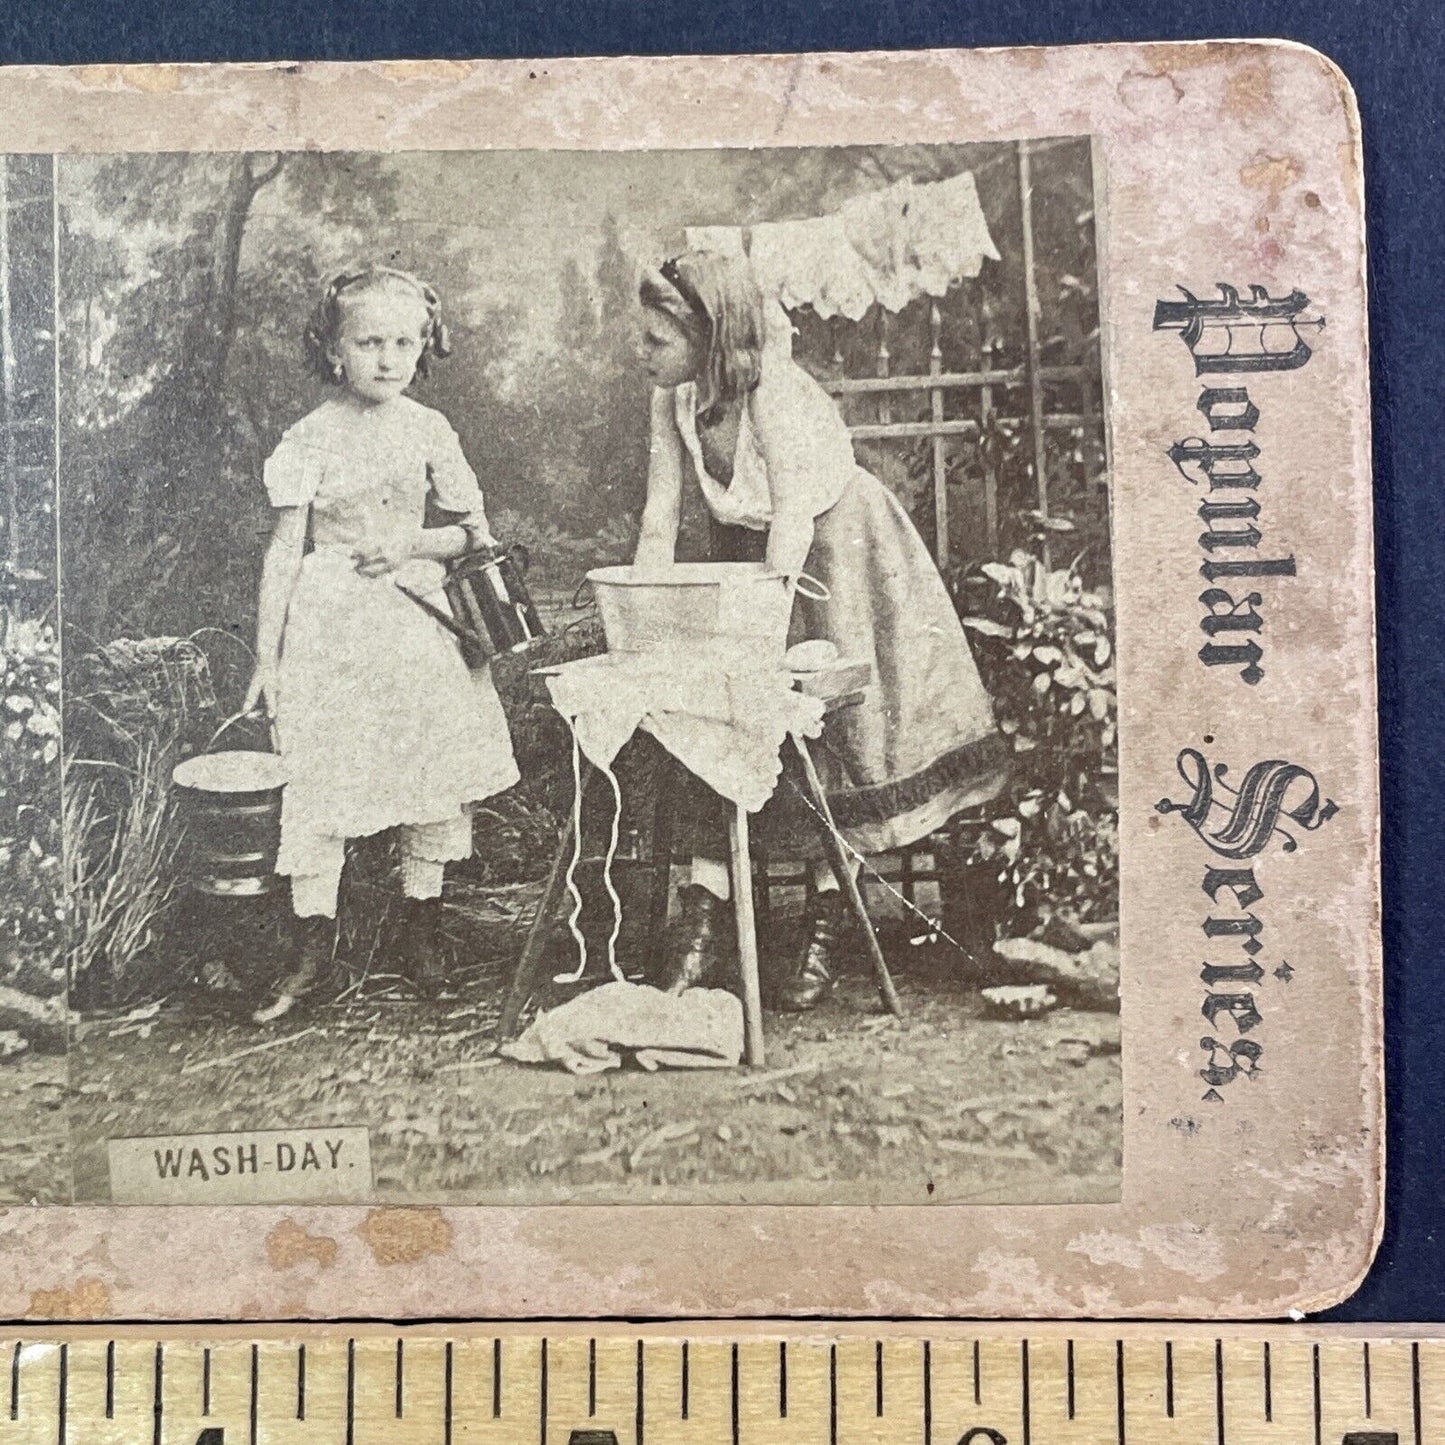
(491, 610)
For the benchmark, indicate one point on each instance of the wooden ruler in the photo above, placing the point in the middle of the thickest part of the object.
(578, 1384)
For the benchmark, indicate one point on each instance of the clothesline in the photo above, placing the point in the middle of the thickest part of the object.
(885, 247)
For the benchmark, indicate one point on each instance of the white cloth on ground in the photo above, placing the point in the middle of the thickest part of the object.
(699, 1029)
(421, 878)
(722, 723)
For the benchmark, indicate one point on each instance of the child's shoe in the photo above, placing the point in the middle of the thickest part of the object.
(425, 961)
(312, 967)
(811, 982)
(699, 942)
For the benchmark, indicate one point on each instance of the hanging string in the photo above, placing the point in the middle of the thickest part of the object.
(573, 890)
(612, 893)
(935, 928)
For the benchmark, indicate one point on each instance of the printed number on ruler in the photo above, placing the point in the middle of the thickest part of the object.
(573, 1390)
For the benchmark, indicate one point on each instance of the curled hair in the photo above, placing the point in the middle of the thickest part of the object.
(714, 299)
(323, 328)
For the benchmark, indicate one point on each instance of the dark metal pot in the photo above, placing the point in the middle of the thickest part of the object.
(491, 609)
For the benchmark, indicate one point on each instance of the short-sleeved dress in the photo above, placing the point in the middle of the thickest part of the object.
(922, 745)
(380, 721)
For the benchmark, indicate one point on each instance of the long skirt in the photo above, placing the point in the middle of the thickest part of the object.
(380, 721)
(921, 746)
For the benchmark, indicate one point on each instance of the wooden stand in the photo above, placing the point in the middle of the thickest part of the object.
(837, 688)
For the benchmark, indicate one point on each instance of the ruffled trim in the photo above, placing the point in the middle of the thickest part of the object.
(296, 835)
(984, 761)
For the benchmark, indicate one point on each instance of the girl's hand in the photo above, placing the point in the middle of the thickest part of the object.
(262, 691)
(375, 559)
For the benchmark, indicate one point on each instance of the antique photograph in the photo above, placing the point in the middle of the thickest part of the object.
(716, 639)
(587, 678)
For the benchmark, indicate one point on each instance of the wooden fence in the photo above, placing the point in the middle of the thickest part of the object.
(981, 392)
(979, 389)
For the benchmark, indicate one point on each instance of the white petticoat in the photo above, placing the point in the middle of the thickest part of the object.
(380, 721)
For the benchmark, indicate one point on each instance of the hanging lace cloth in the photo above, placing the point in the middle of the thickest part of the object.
(885, 247)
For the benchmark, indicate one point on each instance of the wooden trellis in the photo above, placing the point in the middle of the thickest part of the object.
(938, 858)
(1033, 376)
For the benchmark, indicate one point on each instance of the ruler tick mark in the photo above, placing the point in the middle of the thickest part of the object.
(15, 1382)
(1415, 1386)
(782, 1378)
(737, 1423)
(1315, 1366)
(109, 1380)
(206, 1381)
(685, 1380)
(1367, 1380)
(832, 1395)
(447, 1398)
(1219, 1390)
(350, 1392)
(1024, 1362)
(497, 1379)
(1069, 1365)
(641, 1384)
(591, 1378)
(927, 1393)
(400, 1368)
(64, 1390)
(256, 1398)
(1119, 1386)
(543, 1404)
(878, 1378)
(300, 1382)
(1268, 1387)
(977, 1375)
(159, 1389)
(1169, 1379)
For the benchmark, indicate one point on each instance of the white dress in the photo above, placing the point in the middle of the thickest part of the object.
(380, 721)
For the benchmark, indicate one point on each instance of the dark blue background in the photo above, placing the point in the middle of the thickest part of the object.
(1393, 53)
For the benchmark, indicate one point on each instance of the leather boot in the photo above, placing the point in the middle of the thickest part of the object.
(310, 970)
(812, 981)
(697, 944)
(425, 964)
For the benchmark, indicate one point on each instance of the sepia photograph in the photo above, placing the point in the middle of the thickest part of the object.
(587, 678)
(717, 639)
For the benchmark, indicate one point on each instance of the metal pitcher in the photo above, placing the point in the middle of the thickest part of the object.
(491, 610)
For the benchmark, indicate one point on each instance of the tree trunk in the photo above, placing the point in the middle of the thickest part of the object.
(213, 332)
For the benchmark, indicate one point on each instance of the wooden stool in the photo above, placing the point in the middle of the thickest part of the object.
(837, 687)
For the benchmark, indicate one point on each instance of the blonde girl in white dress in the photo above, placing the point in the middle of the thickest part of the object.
(380, 722)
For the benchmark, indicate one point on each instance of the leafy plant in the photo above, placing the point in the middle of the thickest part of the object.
(30, 791)
(1044, 644)
(121, 873)
(134, 707)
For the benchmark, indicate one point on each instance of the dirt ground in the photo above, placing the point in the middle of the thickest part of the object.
(34, 1148)
(853, 1106)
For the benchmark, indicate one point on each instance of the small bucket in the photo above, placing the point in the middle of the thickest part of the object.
(231, 807)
